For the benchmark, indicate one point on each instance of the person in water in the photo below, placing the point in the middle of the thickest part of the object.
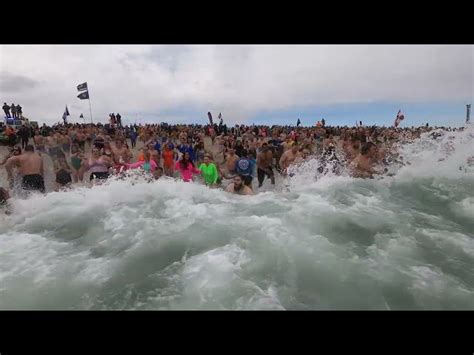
(168, 160)
(30, 167)
(362, 165)
(63, 174)
(209, 171)
(264, 167)
(16, 150)
(245, 167)
(238, 187)
(186, 168)
(147, 164)
(98, 165)
(158, 173)
(77, 163)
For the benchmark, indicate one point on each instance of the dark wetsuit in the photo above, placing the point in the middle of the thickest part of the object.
(34, 182)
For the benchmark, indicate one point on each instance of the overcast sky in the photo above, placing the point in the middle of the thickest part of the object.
(246, 83)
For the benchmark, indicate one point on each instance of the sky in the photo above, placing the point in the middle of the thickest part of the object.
(261, 84)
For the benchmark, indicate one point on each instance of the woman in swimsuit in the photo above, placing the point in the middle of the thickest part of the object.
(76, 163)
(98, 165)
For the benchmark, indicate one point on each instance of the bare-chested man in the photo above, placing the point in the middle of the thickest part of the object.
(287, 144)
(289, 157)
(121, 153)
(30, 166)
(238, 187)
(363, 165)
(264, 166)
(230, 161)
(39, 141)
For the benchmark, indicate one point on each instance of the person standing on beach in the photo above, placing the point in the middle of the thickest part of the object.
(24, 133)
(133, 138)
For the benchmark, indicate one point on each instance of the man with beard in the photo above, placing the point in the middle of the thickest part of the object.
(238, 187)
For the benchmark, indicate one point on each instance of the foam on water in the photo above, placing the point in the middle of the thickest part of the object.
(401, 242)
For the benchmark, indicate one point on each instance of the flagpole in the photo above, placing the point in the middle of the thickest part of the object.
(90, 109)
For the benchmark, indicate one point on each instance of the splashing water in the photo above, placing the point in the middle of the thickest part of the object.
(401, 242)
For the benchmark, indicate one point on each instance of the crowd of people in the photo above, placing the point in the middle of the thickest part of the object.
(16, 111)
(216, 155)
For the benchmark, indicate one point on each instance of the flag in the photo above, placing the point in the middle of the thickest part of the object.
(220, 116)
(210, 118)
(81, 116)
(82, 87)
(468, 113)
(83, 95)
(298, 123)
(400, 117)
(65, 114)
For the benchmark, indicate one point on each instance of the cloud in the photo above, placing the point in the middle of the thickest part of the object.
(13, 83)
(238, 81)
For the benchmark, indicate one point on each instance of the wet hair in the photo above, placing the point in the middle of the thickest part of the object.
(366, 147)
(29, 148)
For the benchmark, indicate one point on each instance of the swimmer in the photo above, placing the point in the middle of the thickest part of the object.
(238, 187)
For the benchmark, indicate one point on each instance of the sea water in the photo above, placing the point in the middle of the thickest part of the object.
(311, 243)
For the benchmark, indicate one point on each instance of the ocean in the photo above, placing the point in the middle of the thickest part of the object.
(401, 242)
